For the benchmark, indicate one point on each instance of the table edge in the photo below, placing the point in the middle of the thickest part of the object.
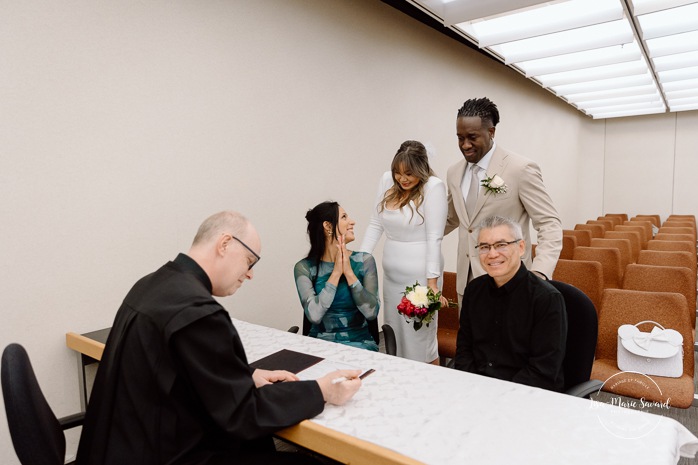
(307, 434)
(342, 447)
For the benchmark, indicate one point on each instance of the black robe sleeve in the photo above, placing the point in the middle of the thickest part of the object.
(213, 361)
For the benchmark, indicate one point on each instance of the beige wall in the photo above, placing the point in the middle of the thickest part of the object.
(650, 164)
(124, 124)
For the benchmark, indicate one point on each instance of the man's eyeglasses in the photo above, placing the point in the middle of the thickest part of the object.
(258, 258)
(499, 247)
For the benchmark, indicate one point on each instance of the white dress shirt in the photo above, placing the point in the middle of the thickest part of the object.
(484, 163)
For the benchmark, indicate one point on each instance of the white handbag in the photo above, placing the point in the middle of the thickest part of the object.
(659, 352)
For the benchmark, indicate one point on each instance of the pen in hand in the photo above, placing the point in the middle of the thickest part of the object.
(341, 379)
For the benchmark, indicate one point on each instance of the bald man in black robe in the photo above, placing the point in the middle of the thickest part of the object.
(174, 385)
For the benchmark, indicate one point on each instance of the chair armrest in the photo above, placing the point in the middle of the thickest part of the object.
(71, 421)
(585, 388)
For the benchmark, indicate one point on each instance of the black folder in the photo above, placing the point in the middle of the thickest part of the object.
(288, 360)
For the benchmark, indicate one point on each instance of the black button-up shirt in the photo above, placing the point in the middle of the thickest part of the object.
(516, 332)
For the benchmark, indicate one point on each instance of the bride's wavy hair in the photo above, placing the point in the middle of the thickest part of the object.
(412, 158)
(316, 216)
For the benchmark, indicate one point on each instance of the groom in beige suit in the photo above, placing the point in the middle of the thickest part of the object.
(493, 181)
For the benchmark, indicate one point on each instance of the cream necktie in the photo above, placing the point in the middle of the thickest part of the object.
(472, 191)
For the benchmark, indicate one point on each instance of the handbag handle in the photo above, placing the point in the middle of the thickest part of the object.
(649, 321)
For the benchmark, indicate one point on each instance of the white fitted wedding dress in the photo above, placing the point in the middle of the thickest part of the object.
(412, 252)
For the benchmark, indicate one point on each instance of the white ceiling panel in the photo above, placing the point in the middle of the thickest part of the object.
(676, 61)
(673, 44)
(627, 91)
(645, 99)
(607, 58)
(540, 21)
(454, 12)
(669, 22)
(595, 73)
(641, 7)
(560, 43)
(580, 60)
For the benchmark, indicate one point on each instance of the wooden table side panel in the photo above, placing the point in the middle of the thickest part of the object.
(84, 345)
(342, 447)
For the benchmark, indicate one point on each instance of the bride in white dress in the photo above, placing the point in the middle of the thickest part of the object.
(411, 209)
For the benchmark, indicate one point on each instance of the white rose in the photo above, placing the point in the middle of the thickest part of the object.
(419, 297)
(496, 182)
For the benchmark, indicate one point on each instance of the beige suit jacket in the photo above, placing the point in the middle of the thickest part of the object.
(526, 199)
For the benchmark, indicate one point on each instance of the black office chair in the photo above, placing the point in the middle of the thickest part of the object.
(582, 332)
(37, 435)
(389, 338)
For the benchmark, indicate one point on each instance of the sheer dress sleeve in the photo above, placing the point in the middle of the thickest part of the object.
(365, 294)
(314, 305)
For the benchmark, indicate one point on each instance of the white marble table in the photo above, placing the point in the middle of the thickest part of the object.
(441, 416)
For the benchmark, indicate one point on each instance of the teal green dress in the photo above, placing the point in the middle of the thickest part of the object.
(339, 313)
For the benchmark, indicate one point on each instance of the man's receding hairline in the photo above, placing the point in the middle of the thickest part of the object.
(228, 221)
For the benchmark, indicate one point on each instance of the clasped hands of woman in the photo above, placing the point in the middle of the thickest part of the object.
(342, 264)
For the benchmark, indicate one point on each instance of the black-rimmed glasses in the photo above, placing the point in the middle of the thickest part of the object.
(499, 247)
(258, 258)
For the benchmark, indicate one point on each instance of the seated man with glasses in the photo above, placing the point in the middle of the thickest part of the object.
(513, 324)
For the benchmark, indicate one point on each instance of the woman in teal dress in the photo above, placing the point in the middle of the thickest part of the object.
(338, 288)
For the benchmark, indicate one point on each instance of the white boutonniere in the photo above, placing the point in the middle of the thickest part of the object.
(494, 184)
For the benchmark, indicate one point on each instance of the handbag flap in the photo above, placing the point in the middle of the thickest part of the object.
(660, 343)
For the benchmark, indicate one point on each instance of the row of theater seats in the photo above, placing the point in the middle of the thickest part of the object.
(635, 270)
(624, 254)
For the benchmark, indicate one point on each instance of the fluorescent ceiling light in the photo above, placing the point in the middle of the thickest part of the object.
(648, 89)
(670, 45)
(649, 98)
(619, 114)
(458, 11)
(604, 84)
(678, 74)
(579, 60)
(669, 22)
(641, 7)
(683, 101)
(676, 94)
(684, 107)
(594, 74)
(597, 55)
(688, 84)
(680, 60)
(576, 40)
(540, 21)
(630, 107)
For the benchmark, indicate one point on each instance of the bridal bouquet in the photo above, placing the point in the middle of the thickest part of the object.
(419, 305)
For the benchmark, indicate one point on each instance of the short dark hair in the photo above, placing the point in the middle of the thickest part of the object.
(482, 107)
